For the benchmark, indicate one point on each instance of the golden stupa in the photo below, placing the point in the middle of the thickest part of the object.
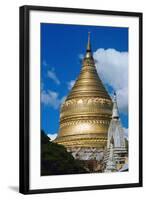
(86, 113)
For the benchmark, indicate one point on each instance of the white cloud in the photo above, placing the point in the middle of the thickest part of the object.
(112, 67)
(51, 98)
(52, 75)
(70, 84)
(52, 136)
(81, 56)
(122, 99)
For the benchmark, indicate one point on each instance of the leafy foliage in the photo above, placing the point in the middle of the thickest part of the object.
(56, 160)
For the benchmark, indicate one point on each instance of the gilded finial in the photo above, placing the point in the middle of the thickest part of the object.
(114, 96)
(115, 93)
(89, 43)
(115, 107)
(88, 50)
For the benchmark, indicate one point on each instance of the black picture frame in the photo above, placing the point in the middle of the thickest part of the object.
(25, 105)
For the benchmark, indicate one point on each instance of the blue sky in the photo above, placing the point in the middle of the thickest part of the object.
(62, 48)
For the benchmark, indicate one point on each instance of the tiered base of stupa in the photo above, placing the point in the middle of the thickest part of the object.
(90, 150)
(90, 156)
(120, 156)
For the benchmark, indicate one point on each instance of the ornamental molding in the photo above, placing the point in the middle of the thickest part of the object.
(69, 139)
(89, 142)
(87, 100)
(76, 122)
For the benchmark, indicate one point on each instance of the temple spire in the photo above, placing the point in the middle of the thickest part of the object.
(115, 114)
(89, 43)
(88, 50)
(115, 130)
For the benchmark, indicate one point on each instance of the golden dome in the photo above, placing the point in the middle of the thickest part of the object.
(86, 113)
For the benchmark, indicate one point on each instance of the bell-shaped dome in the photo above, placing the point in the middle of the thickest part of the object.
(86, 113)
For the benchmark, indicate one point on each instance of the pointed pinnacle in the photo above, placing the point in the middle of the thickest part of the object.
(115, 93)
(115, 107)
(89, 43)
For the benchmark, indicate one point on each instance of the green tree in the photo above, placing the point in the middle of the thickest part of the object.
(56, 160)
